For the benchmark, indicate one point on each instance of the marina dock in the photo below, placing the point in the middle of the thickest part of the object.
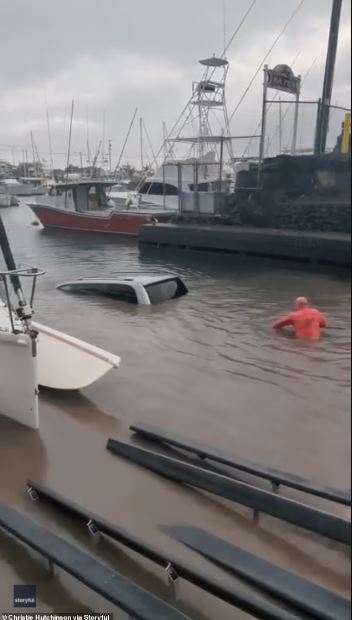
(325, 248)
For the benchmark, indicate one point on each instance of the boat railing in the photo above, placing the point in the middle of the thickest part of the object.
(24, 311)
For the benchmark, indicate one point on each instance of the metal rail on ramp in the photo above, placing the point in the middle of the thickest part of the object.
(303, 595)
(175, 568)
(138, 603)
(296, 513)
(276, 477)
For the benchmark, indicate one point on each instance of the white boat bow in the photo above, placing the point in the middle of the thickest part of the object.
(18, 374)
(33, 354)
(68, 363)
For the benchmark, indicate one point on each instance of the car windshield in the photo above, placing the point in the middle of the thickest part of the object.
(167, 289)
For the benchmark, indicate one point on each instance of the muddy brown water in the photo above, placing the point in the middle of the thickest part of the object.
(206, 366)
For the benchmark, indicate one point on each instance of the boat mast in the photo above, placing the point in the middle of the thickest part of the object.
(155, 163)
(110, 149)
(103, 139)
(33, 152)
(96, 159)
(324, 107)
(49, 134)
(69, 141)
(141, 141)
(125, 142)
(87, 133)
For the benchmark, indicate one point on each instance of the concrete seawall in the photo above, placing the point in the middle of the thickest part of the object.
(301, 246)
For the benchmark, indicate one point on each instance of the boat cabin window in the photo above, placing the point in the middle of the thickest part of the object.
(97, 198)
(93, 199)
(158, 189)
(168, 289)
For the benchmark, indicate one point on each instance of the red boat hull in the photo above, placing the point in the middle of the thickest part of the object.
(117, 223)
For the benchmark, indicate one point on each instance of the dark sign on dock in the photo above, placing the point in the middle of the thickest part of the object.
(283, 78)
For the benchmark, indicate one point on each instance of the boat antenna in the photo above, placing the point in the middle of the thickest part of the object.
(224, 25)
(69, 140)
(126, 140)
(262, 62)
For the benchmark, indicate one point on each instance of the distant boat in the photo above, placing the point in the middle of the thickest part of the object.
(86, 206)
(24, 186)
(7, 200)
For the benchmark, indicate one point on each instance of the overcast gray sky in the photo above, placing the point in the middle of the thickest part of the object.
(113, 55)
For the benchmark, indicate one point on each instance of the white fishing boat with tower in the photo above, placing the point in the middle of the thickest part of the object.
(195, 152)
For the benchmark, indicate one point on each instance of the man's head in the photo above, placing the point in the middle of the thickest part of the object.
(301, 303)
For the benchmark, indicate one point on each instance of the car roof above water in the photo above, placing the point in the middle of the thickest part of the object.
(144, 280)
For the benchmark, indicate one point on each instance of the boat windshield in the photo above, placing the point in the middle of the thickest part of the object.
(167, 289)
(158, 189)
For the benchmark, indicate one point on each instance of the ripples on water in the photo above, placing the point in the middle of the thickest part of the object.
(207, 365)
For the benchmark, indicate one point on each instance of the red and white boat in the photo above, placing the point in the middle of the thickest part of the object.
(85, 206)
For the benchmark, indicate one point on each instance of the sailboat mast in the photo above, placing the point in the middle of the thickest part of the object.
(49, 134)
(324, 107)
(164, 141)
(69, 141)
(33, 153)
(87, 131)
(141, 141)
(103, 139)
(126, 140)
(110, 150)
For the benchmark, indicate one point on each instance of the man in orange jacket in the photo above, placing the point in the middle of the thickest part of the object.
(306, 321)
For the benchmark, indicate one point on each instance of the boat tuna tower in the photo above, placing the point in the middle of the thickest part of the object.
(207, 116)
